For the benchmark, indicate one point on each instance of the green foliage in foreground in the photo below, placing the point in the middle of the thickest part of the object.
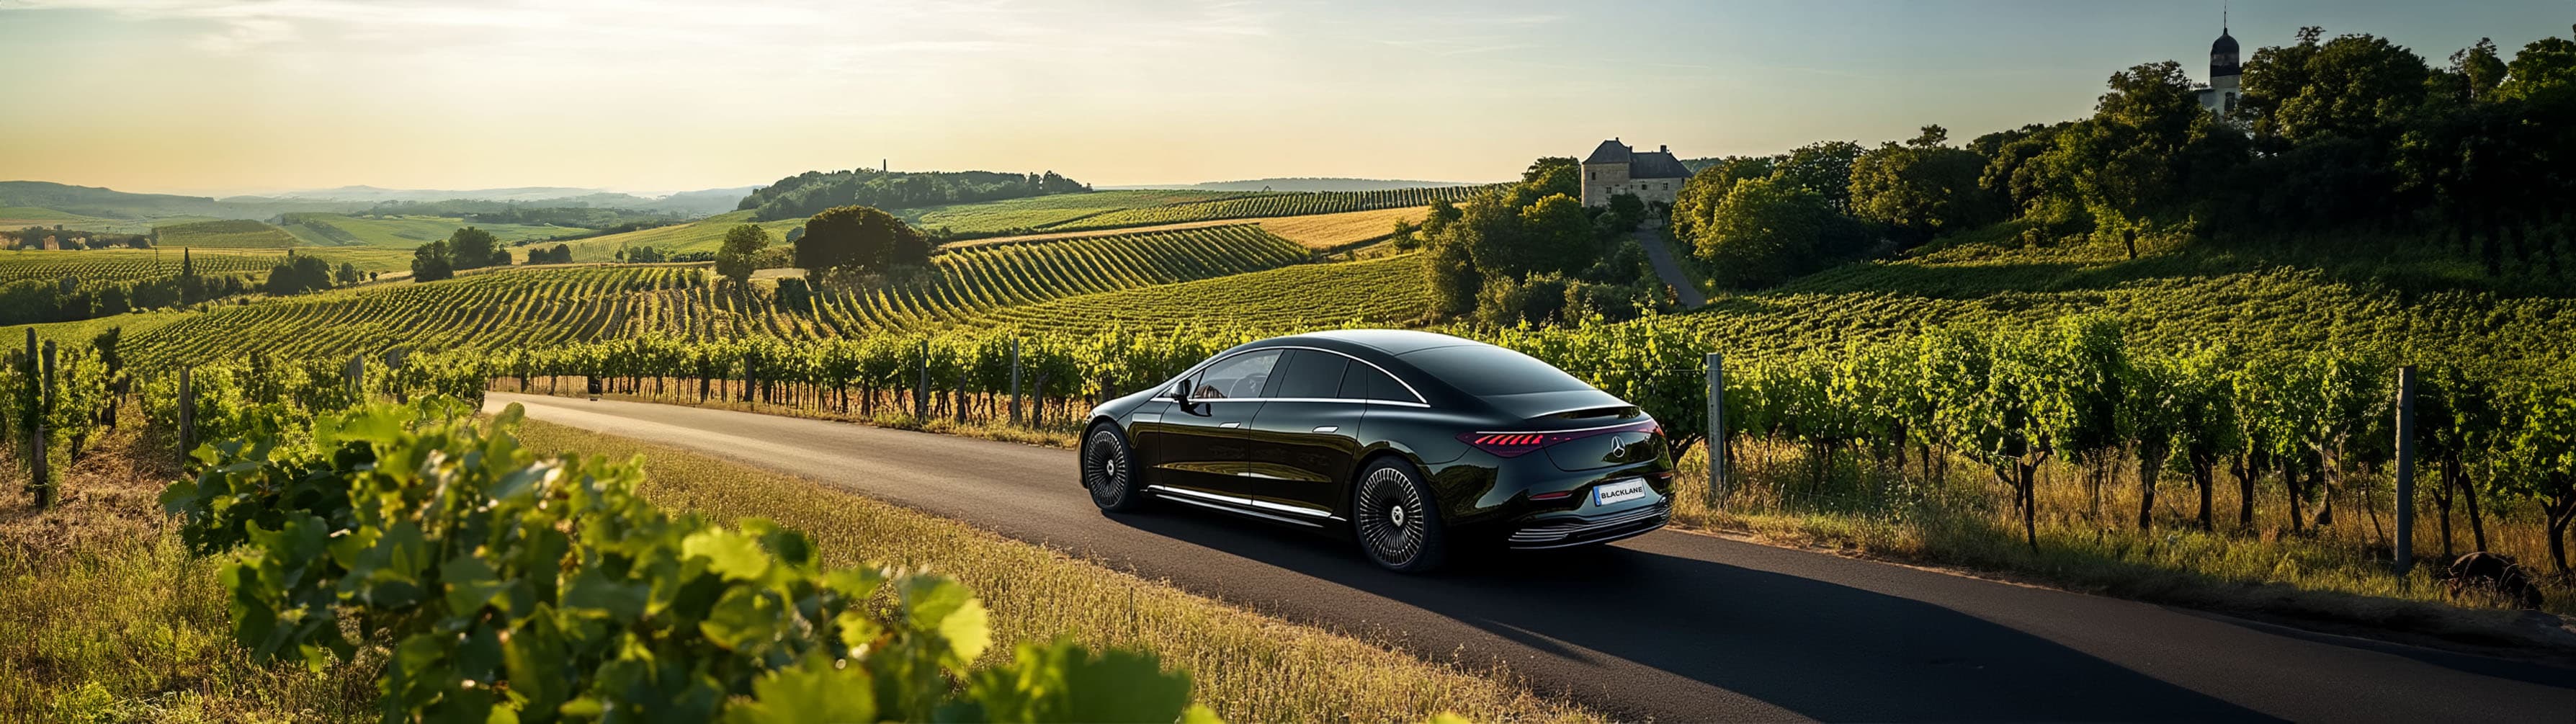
(504, 587)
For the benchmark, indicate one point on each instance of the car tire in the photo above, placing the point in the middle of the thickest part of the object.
(1109, 470)
(1396, 519)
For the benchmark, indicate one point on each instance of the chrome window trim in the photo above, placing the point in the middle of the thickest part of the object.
(1418, 399)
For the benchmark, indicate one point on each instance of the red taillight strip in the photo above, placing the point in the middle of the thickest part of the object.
(1516, 444)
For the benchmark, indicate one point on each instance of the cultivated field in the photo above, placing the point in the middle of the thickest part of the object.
(401, 232)
(133, 264)
(227, 233)
(1378, 292)
(1318, 231)
(701, 235)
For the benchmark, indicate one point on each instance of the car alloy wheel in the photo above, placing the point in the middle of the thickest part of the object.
(1108, 471)
(1394, 520)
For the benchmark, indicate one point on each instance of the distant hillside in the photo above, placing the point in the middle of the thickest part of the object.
(811, 192)
(109, 203)
(685, 203)
(1302, 184)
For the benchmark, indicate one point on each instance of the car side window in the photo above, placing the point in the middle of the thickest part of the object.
(1311, 374)
(1364, 382)
(1242, 375)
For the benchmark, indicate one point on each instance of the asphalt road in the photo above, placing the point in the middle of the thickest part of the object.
(1670, 626)
(1659, 252)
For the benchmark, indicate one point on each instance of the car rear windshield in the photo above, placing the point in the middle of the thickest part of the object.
(1483, 370)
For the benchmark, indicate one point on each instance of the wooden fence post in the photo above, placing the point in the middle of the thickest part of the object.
(2405, 469)
(1716, 443)
(44, 441)
(187, 418)
(1015, 381)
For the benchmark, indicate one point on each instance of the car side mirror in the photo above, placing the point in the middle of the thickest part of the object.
(1181, 392)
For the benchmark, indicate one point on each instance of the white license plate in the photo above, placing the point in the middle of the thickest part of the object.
(1619, 492)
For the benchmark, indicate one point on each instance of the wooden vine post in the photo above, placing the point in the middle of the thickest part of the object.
(187, 417)
(1015, 381)
(44, 484)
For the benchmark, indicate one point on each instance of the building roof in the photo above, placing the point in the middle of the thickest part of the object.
(2226, 43)
(1656, 164)
(1610, 151)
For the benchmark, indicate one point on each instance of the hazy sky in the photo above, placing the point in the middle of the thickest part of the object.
(206, 96)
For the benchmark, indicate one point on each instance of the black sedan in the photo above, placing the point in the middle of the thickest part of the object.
(1412, 442)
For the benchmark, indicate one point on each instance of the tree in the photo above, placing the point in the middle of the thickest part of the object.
(2148, 143)
(2480, 68)
(1824, 167)
(734, 257)
(187, 266)
(472, 248)
(1922, 187)
(1766, 230)
(347, 274)
(858, 239)
(432, 262)
(2347, 86)
(298, 275)
(1558, 234)
(1699, 196)
(2546, 66)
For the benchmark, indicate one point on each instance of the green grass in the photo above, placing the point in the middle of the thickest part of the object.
(227, 233)
(402, 232)
(701, 235)
(1246, 666)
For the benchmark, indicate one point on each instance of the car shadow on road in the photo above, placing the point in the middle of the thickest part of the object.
(1819, 649)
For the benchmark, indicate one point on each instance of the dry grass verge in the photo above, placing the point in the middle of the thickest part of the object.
(2335, 580)
(104, 616)
(1246, 666)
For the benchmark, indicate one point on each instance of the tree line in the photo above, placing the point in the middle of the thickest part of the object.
(2336, 143)
(1532, 252)
(812, 192)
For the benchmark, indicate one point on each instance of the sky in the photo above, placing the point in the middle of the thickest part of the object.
(209, 97)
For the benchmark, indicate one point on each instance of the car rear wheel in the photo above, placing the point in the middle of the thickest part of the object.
(1109, 470)
(1396, 519)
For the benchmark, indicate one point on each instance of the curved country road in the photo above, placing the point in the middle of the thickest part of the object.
(1669, 626)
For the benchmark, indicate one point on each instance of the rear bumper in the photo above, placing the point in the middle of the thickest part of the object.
(1569, 531)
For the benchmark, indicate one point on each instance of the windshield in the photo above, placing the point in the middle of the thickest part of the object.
(1486, 370)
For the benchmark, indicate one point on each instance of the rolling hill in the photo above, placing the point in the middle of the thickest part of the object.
(401, 232)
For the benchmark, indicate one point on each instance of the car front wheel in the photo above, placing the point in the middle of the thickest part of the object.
(1109, 470)
(1396, 519)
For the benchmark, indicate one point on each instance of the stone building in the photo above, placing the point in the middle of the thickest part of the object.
(1614, 168)
(2220, 96)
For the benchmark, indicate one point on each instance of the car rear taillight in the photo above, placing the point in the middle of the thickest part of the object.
(1516, 444)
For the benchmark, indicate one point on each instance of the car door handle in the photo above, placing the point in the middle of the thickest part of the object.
(1231, 425)
(1328, 428)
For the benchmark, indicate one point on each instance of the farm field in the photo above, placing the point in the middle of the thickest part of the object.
(1269, 205)
(133, 264)
(1039, 212)
(1316, 231)
(18, 217)
(531, 308)
(227, 233)
(701, 235)
(1377, 292)
(401, 232)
